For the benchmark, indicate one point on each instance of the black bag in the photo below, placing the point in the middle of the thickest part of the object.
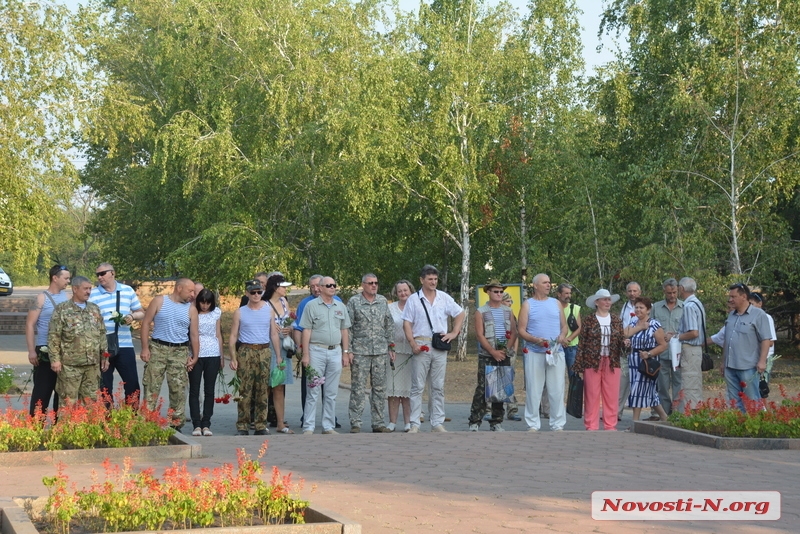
(575, 396)
(438, 344)
(112, 340)
(650, 367)
(708, 362)
(763, 387)
(436, 340)
(571, 321)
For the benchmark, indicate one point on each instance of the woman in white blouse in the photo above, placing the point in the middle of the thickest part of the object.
(209, 362)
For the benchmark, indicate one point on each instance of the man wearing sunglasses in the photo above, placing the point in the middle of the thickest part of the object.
(326, 348)
(372, 341)
(36, 329)
(129, 309)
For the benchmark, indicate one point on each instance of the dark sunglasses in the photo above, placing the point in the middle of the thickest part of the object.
(373, 283)
(756, 296)
(62, 268)
(329, 286)
(103, 273)
(496, 291)
(256, 292)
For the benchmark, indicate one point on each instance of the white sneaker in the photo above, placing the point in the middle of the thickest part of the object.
(197, 432)
(473, 427)
(439, 428)
(497, 428)
(308, 431)
(531, 429)
(391, 426)
(331, 431)
(407, 427)
(413, 430)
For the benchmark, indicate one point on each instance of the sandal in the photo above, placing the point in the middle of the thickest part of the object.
(207, 432)
(285, 430)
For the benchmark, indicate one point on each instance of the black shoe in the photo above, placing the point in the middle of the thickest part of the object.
(243, 433)
(263, 432)
(338, 425)
(381, 429)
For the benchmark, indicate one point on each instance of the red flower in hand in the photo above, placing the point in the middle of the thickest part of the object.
(106, 354)
(743, 384)
(548, 352)
(217, 400)
(525, 350)
(633, 314)
(508, 334)
(546, 344)
(424, 348)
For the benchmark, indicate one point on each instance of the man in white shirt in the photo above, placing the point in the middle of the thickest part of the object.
(426, 313)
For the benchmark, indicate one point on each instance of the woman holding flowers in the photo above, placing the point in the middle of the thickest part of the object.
(209, 362)
(601, 344)
(275, 295)
(647, 341)
(255, 330)
(398, 372)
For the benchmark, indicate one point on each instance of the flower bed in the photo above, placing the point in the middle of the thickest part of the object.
(720, 424)
(230, 498)
(82, 426)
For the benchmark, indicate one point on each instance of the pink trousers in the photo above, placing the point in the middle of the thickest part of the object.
(596, 384)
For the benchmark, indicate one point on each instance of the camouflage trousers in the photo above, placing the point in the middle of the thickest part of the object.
(479, 399)
(374, 368)
(169, 361)
(253, 373)
(78, 382)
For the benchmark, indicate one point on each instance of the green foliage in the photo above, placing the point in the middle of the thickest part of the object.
(6, 378)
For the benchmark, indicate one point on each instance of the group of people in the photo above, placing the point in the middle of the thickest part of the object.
(76, 344)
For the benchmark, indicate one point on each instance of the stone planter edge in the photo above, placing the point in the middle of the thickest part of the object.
(181, 447)
(14, 520)
(668, 431)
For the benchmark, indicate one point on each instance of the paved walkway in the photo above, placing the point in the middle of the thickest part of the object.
(488, 482)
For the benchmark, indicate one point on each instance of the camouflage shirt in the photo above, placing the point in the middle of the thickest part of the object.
(373, 326)
(77, 335)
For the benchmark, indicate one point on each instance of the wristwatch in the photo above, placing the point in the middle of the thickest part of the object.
(346, 351)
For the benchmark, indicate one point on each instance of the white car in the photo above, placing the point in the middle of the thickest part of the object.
(6, 287)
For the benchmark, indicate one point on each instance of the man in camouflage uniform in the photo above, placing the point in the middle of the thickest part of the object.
(372, 332)
(77, 343)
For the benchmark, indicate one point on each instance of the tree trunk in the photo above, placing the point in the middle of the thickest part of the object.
(461, 352)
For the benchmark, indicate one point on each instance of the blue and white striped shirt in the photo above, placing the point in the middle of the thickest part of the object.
(171, 322)
(107, 302)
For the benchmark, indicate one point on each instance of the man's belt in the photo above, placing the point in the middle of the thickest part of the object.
(328, 347)
(168, 344)
(420, 338)
(259, 346)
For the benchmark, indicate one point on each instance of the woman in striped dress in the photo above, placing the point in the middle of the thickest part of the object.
(647, 341)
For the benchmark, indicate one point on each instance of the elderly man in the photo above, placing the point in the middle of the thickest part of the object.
(691, 333)
(174, 321)
(633, 290)
(77, 343)
(541, 323)
(426, 313)
(326, 349)
(36, 329)
(116, 299)
(668, 312)
(496, 330)
(371, 338)
(747, 341)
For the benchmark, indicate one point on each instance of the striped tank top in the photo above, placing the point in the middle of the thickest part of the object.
(43, 322)
(172, 322)
(254, 325)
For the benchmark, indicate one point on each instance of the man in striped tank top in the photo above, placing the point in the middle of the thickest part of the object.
(167, 353)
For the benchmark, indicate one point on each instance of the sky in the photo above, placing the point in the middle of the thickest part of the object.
(589, 20)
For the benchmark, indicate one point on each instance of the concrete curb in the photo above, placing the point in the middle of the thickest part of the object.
(14, 520)
(181, 447)
(668, 431)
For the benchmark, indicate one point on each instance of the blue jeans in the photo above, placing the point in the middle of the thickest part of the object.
(734, 378)
(569, 356)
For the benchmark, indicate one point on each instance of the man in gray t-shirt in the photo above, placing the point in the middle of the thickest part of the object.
(747, 341)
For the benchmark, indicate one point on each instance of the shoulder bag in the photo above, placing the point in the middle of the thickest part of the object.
(113, 339)
(707, 363)
(436, 339)
(571, 321)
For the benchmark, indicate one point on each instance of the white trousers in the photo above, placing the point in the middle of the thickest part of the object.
(426, 366)
(537, 373)
(327, 363)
